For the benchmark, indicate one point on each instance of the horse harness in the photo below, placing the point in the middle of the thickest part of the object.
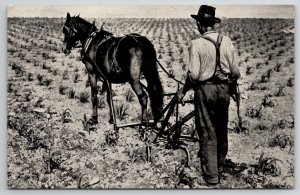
(87, 46)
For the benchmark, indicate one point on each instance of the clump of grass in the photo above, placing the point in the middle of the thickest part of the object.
(63, 89)
(253, 86)
(268, 165)
(71, 94)
(55, 72)
(76, 78)
(40, 79)
(111, 138)
(121, 110)
(30, 77)
(129, 96)
(267, 102)
(45, 66)
(266, 76)
(280, 92)
(280, 140)
(66, 116)
(258, 65)
(10, 88)
(278, 67)
(101, 102)
(47, 82)
(290, 82)
(254, 113)
(249, 70)
(84, 97)
(65, 75)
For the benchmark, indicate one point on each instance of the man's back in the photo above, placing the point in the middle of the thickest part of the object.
(203, 58)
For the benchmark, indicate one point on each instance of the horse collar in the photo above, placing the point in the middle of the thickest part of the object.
(88, 42)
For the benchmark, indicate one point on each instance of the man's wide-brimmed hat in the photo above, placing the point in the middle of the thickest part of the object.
(206, 13)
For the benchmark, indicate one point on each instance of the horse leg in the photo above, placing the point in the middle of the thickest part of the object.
(143, 99)
(93, 82)
(135, 73)
(109, 101)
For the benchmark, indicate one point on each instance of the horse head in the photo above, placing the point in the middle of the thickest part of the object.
(70, 30)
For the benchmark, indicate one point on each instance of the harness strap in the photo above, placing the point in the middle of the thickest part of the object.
(217, 46)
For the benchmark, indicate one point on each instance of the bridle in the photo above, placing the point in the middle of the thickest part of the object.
(71, 32)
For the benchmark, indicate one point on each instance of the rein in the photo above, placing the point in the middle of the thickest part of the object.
(167, 73)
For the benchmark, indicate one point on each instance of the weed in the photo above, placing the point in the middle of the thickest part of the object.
(84, 97)
(254, 113)
(47, 82)
(121, 110)
(268, 165)
(129, 96)
(101, 102)
(63, 90)
(280, 140)
(65, 75)
(267, 102)
(40, 79)
(111, 138)
(76, 78)
(66, 116)
(30, 77)
(290, 82)
(278, 67)
(280, 92)
(71, 94)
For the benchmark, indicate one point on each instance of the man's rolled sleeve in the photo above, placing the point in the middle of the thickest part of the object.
(194, 62)
(233, 61)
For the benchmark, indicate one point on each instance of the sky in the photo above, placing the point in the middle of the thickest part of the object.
(151, 11)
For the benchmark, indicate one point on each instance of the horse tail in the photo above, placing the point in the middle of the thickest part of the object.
(154, 88)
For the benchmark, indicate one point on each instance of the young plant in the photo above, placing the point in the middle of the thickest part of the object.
(121, 110)
(101, 102)
(129, 96)
(268, 165)
(71, 94)
(66, 116)
(65, 75)
(76, 78)
(84, 97)
(62, 89)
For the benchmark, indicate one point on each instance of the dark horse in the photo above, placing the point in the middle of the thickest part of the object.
(115, 60)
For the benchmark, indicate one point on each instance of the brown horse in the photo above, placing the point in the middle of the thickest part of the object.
(115, 60)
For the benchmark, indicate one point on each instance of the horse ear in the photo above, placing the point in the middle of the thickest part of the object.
(78, 15)
(68, 15)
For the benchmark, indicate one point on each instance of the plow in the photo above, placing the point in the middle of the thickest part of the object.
(162, 126)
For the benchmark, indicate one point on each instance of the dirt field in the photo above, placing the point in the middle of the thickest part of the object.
(48, 96)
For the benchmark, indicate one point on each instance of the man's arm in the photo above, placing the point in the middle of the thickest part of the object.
(233, 62)
(193, 69)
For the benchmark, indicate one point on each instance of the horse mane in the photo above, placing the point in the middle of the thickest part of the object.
(82, 23)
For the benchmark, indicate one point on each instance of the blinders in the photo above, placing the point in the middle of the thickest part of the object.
(71, 38)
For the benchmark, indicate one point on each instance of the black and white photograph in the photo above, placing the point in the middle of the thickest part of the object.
(139, 96)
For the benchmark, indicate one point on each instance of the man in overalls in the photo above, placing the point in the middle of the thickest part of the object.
(212, 66)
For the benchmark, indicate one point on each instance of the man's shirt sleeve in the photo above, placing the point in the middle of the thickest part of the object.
(232, 61)
(194, 62)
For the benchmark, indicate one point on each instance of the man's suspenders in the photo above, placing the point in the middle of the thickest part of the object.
(217, 45)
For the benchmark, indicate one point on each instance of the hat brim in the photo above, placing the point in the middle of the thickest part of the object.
(201, 18)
